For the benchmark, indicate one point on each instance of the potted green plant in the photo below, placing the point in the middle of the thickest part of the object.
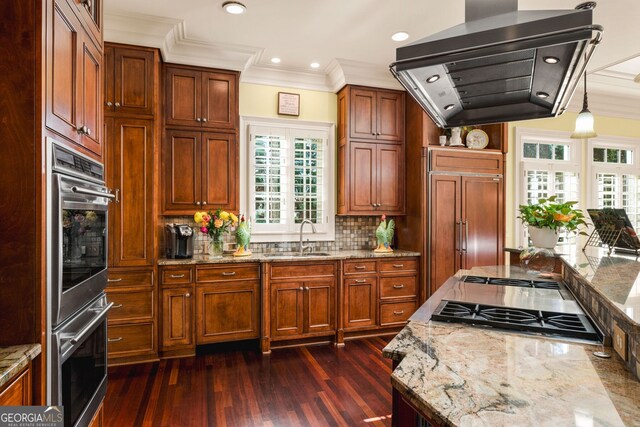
(546, 218)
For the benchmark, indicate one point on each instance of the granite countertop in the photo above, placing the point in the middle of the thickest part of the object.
(14, 358)
(285, 256)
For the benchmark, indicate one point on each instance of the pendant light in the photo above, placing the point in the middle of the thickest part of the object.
(584, 121)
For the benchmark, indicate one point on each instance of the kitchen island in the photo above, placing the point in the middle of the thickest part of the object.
(456, 374)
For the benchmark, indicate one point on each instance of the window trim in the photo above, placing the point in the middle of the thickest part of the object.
(329, 175)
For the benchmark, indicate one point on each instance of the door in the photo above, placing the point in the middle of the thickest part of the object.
(133, 81)
(445, 228)
(483, 221)
(363, 114)
(227, 312)
(390, 185)
(219, 160)
(89, 106)
(286, 309)
(181, 164)
(360, 299)
(363, 176)
(177, 318)
(131, 176)
(219, 100)
(184, 97)
(319, 306)
(390, 116)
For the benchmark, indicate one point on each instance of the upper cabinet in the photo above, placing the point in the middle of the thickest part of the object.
(90, 13)
(201, 98)
(129, 80)
(74, 81)
(370, 151)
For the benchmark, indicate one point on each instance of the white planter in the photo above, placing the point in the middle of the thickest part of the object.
(543, 237)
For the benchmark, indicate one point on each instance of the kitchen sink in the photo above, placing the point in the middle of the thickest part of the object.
(296, 255)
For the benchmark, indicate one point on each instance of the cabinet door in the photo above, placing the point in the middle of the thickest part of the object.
(177, 318)
(360, 297)
(363, 114)
(219, 171)
(133, 81)
(90, 11)
(390, 116)
(62, 71)
(362, 177)
(390, 172)
(130, 173)
(483, 221)
(89, 104)
(181, 164)
(227, 312)
(109, 78)
(286, 309)
(319, 306)
(184, 97)
(445, 228)
(219, 100)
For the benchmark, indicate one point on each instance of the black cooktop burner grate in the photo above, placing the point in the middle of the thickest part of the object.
(564, 324)
(522, 283)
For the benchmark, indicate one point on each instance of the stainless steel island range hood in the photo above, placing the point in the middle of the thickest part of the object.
(500, 65)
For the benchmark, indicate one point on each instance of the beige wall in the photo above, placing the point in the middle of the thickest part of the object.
(262, 101)
(604, 126)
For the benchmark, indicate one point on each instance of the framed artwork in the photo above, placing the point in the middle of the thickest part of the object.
(288, 104)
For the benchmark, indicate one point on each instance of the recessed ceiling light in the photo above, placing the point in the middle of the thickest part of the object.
(449, 107)
(542, 95)
(400, 36)
(275, 60)
(433, 78)
(315, 65)
(551, 59)
(234, 7)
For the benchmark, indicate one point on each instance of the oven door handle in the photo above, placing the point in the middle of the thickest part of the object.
(87, 329)
(79, 190)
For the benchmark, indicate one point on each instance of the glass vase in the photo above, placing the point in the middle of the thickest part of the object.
(216, 246)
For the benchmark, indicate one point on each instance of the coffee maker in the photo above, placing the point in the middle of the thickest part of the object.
(178, 240)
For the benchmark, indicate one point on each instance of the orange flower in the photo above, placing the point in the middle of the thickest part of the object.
(563, 218)
(217, 223)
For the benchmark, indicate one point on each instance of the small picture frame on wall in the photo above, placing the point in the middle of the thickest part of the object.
(288, 104)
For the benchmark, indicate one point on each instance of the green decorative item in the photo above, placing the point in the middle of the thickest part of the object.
(243, 237)
(546, 218)
(384, 234)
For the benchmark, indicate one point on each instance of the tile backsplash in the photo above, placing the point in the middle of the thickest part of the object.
(352, 233)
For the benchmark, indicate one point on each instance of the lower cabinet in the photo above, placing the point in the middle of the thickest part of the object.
(17, 392)
(360, 301)
(177, 318)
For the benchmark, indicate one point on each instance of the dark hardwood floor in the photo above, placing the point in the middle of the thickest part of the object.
(303, 386)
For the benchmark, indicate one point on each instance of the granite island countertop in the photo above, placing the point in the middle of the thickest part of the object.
(14, 358)
(286, 256)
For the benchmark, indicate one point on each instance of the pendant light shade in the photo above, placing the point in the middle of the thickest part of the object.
(584, 121)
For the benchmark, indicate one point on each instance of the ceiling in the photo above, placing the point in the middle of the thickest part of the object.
(351, 40)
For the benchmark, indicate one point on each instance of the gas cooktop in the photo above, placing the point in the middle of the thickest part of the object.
(569, 325)
(522, 283)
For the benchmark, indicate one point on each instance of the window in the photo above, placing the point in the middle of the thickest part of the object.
(548, 164)
(290, 178)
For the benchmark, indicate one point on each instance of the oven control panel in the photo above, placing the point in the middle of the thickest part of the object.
(77, 164)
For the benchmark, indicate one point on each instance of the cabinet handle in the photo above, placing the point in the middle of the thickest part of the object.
(187, 295)
(109, 104)
(117, 195)
(117, 104)
(204, 120)
(198, 119)
(301, 288)
(466, 235)
(398, 286)
(398, 313)
(360, 267)
(114, 339)
(119, 279)
(82, 130)
(177, 276)
(361, 281)
(398, 265)
(116, 306)
(228, 273)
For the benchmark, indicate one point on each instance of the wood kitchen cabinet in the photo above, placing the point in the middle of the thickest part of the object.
(17, 391)
(177, 319)
(201, 98)
(74, 82)
(130, 84)
(90, 13)
(200, 171)
(370, 151)
(360, 302)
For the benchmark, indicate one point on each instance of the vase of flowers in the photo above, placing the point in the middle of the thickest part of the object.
(215, 224)
(547, 218)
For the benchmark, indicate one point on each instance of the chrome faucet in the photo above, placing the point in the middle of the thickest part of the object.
(313, 228)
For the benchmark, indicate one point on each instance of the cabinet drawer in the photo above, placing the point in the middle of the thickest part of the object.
(176, 276)
(398, 287)
(303, 269)
(227, 272)
(130, 305)
(360, 267)
(398, 265)
(397, 312)
(124, 339)
(465, 161)
(134, 279)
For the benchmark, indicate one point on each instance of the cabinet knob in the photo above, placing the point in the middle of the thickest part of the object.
(88, 131)
(114, 339)
(198, 203)
(204, 120)
(373, 133)
(301, 288)
(204, 203)
(117, 104)
(187, 295)
(87, 3)
(109, 104)
(306, 288)
(198, 119)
